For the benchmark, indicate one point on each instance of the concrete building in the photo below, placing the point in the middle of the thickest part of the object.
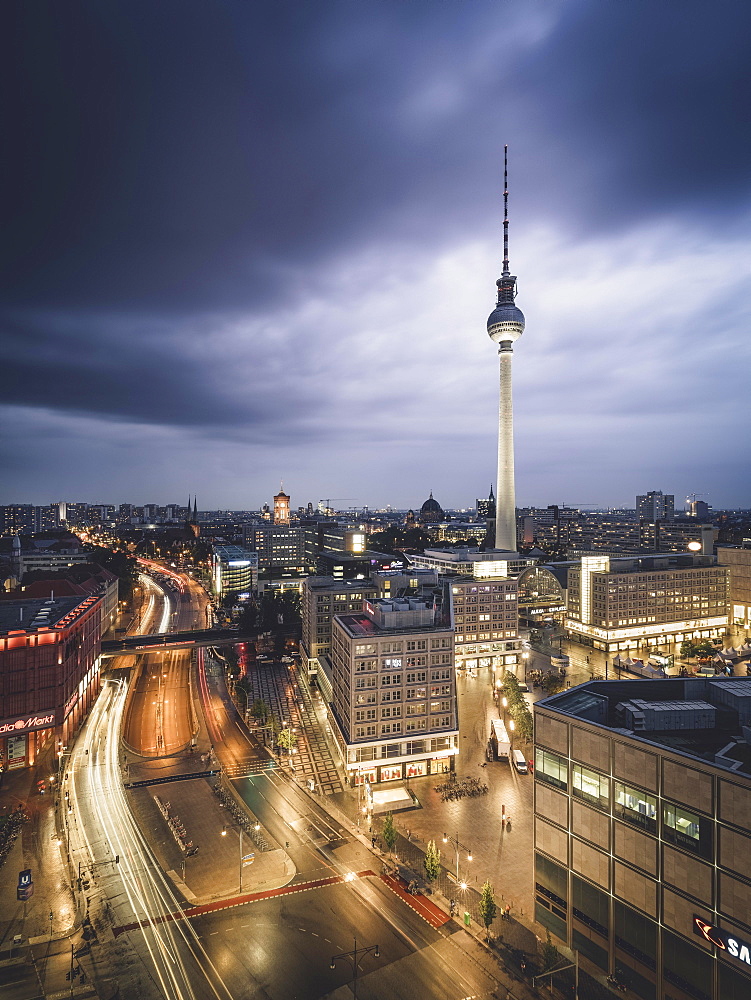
(655, 506)
(486, 623)
(234, 569)
(738, 561)
(642, 857)
(620, 604)
(321, 598)
(505, 326)
(280, 547)
(393, 709)
(49, 672)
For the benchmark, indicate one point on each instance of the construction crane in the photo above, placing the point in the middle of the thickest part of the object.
(692, 496)
(335, 500)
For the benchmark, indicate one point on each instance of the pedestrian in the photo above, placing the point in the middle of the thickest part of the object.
(507, 911)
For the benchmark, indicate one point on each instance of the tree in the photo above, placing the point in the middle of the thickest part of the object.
(488, 907)
(432, 862)
(388, 832)
(260, 710)
(550, 954)
(688, 649)
(287, 740)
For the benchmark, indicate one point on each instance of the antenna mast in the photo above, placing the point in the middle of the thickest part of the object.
(505, 211)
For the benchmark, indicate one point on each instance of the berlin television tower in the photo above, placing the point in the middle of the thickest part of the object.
(505, 325)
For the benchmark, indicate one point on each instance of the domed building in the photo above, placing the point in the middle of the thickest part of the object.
(431, 511)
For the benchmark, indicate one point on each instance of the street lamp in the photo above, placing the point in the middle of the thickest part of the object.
(354, 957)
(458, 845)
(242, 859)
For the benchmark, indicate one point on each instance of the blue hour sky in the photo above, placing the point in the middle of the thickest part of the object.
(253, 241)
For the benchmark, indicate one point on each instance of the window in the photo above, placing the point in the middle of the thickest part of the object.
(591, 905)
(416, 677)
(636, 934)
(395, 663)
(635, 806)
(686, 829)
(416, 746)
(551, 768)
(590, 786)
(416, 693)
(418, 709)
(367, 650)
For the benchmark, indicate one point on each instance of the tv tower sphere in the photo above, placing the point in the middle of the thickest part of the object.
(506, 322)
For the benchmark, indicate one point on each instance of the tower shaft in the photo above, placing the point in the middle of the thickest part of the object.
(505, 504)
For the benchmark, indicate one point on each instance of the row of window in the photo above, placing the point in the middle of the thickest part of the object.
(413, 645)
(680, 826)
(394, 728)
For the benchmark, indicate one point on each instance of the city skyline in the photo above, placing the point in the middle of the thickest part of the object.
(259, 246)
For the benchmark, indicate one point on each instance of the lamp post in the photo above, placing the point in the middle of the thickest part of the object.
(354, 957)
(224, 834)
(458, 845)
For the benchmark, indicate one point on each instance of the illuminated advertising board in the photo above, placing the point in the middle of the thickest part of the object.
(724, 940)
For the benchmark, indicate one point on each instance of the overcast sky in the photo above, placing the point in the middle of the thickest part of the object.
(252, 241)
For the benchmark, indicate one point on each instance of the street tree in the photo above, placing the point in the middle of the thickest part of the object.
(488, 907)
(260, 710)
(287, 739)
(388, 832)
(432, 862)
(550, 955)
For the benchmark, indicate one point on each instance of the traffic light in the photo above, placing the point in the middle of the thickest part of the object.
(67, 975)
(117, 859)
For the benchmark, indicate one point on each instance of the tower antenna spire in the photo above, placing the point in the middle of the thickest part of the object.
(505, 211)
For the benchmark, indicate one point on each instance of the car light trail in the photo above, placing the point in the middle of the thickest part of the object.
(105, 828)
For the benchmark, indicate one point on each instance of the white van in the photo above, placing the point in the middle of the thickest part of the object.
(520, 761)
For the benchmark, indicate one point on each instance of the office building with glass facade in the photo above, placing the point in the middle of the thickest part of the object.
(643, 832)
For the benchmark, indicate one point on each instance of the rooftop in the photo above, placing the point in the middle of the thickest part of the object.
(31, 615)
(357, 625)
(707, 718)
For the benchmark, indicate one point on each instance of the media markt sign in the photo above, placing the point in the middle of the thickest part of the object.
(723, 940)
(27, 723)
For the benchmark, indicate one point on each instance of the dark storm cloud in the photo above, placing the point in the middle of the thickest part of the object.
(185, 155)
(139, 372)
(184, 182)
(645, 107)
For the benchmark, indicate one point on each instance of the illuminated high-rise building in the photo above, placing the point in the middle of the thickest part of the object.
(505, 325)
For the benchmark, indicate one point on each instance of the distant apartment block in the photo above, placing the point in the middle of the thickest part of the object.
(655, 506)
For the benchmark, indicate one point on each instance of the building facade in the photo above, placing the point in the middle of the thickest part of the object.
(738, 562)
(623, 603)
(321, 598)
(655, 506)
(49, 672)
(486, 623)
(234, 569)
(393, 708)
(642, 834)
